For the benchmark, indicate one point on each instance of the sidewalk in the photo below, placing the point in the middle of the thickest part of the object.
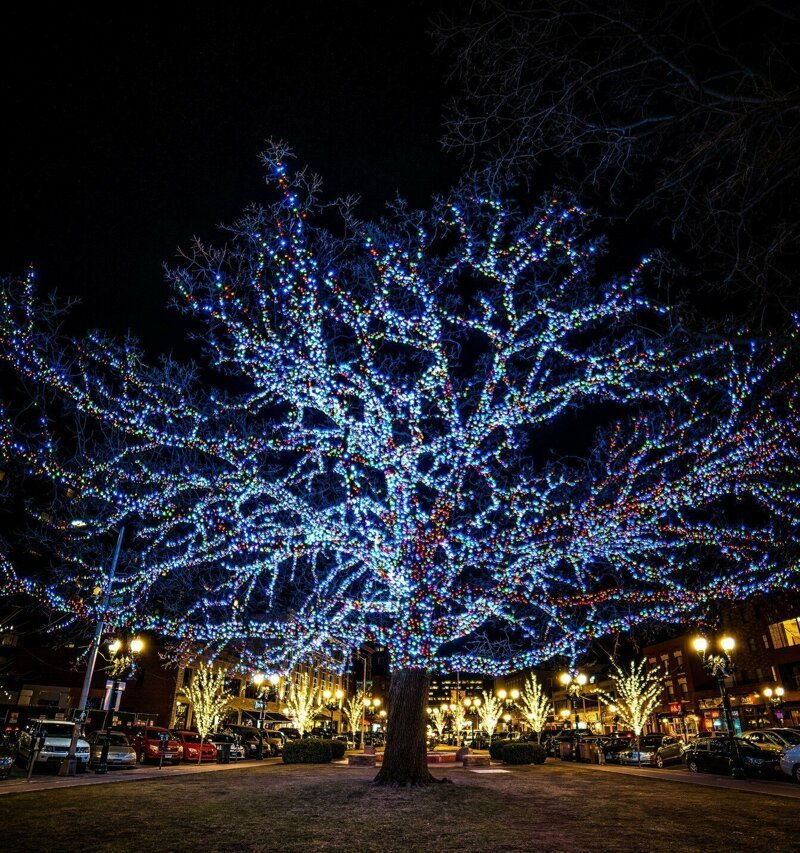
(750, 786)
(49, 782)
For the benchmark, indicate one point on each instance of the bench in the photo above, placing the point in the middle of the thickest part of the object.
(473, 760)
(361, 760)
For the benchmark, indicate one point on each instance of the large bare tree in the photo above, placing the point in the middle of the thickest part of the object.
(687, 112)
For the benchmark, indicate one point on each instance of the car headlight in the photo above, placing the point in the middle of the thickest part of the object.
(153, 748)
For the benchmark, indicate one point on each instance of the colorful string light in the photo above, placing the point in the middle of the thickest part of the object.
(365, 460)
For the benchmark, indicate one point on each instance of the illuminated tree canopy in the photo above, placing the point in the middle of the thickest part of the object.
(363, 453)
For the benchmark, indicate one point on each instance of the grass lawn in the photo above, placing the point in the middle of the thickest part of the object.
(293, 808)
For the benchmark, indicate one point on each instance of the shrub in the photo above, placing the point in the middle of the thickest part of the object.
(523, 753)
(539, 753)
(338, 748)
(496, 748)
(307, 751)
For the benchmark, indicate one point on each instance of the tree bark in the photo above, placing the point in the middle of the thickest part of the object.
(405, 758)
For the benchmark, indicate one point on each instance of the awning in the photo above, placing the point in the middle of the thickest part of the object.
(275, 717)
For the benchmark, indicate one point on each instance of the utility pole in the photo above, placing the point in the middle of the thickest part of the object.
(68, 765)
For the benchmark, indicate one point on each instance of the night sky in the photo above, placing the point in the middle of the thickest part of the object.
(128, 134)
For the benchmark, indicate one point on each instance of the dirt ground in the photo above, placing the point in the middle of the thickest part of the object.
(334, 808)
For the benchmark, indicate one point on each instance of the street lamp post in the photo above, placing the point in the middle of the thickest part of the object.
(509, 701)
(258, 681)
(123, 665)
(775, 699)
(330, 705)
(721, 666)
(573, 685)
(615, 719)
(370, 707)
(69, 764)
(471, 706)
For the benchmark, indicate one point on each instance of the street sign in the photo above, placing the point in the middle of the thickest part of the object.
(117, 695)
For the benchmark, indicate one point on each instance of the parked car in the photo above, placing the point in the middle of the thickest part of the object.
(289, 732)
(250, 738)
(570, 736)
(147, 741)
(790, 762)
(236, 749)
(714, 756)
(193, 749)
(782, 738)
(274, 741)
(479, 740)
(613, 746)
(347, 740)
(7, 752)
(654, 749)
(57, 737)
(120, 751)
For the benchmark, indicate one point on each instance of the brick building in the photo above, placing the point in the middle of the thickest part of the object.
(46, 681)
(767, 655)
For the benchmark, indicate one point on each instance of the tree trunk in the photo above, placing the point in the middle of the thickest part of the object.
(405, 758)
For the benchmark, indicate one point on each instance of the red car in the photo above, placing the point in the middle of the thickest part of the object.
(190, 741)
(152, 741)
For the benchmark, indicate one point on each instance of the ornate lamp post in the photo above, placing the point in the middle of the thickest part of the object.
(775, 699)
(573, 685)
(471, 706)
(371, 707)
(122, 665)
(721, 666)
(332, 705)
(612, 709)
(509, 701)
(259, 680)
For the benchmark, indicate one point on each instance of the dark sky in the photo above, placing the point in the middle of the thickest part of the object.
(127, 134)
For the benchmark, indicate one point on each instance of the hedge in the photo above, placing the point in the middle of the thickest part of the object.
(522, 753)
(307, 751)
(495, 749)
(338, 748)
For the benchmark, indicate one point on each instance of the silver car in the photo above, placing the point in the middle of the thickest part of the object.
(120, 752)
(790, 762)
(784, 738)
